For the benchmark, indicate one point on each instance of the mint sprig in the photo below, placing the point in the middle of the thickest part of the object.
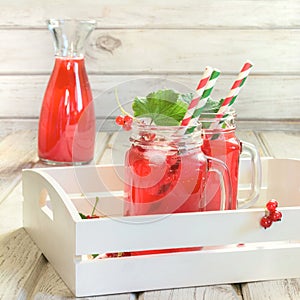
(212, 106)
(163, 107)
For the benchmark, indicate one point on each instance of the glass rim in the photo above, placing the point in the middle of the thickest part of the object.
(142, 126)
(55, 21)
(230, 112)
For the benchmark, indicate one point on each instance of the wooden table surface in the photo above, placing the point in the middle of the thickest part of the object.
(26, 274)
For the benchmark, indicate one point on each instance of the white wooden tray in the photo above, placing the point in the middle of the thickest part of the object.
(54, 196)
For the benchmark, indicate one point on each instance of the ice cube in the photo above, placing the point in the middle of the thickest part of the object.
(156, 157)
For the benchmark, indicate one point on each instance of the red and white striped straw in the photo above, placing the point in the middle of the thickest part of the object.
(236, 87)
(200, 90)
(205, 96)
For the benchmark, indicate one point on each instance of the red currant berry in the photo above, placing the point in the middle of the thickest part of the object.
(92, 217)
(275, 216)
(127, 126)
(266, 222)
(128, 120)
(148, 137)
(272, 205)
(120, 120)
(141, 167)
(109, 255)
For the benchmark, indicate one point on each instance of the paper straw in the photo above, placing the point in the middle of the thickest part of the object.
(200, 90)
(205, 96)
(236, 87)
(203, 99)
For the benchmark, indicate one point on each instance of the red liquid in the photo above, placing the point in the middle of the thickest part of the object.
(67, 119)
(161, 183)
(226, 147)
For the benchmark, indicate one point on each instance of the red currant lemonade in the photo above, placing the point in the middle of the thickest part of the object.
(164, 173)
(220, 142)
(67, 113)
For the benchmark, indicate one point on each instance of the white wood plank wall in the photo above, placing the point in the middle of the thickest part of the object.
(137, 42)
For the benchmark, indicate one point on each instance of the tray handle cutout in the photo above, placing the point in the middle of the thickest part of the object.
(45, 203)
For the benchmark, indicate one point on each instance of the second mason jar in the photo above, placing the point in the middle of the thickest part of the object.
(221, 142)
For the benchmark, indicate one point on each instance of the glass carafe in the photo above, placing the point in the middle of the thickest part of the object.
(67, 119)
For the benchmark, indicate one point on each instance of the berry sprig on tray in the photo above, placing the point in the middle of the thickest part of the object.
(92, 215)
(105, 255)
(271, 214)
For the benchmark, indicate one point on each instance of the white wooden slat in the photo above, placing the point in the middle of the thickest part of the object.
(217, 292)
(116, 148)
(8, 126)
(100, 144)
(17, 151)
(250, 137)
(159, 51)
(11, 214)
(262, 97)
(170, 14)
(50, 286)
(273, 290)
(282, 144)
(19, 261)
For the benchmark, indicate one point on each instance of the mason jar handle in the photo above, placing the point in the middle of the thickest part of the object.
(225, 181)
(255, 175)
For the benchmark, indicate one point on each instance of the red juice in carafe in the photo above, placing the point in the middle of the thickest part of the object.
(67, 119)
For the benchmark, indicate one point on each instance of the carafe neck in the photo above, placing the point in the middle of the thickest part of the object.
(70, 36)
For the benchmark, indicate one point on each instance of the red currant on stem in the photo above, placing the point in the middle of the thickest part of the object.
(125, 122)
(266, 222)
(271, 214)
(128, 120)
(272, 205)
(120, 120)
(92, 215)
(275, 216)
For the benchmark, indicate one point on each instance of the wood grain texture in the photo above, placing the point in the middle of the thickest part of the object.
(281, 144)
(278, 289)
(17, 151)
(167, 14)
(116, 148)
(218, 292)
(251, 137)
(255, 102)
(11, 211)
(159, 51)
(19, 261)
(49, 286)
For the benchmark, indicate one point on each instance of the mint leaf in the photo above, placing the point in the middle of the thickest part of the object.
(82, 216)
(163, 107)
(186, 97)
(212, 106)
(210, 109)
